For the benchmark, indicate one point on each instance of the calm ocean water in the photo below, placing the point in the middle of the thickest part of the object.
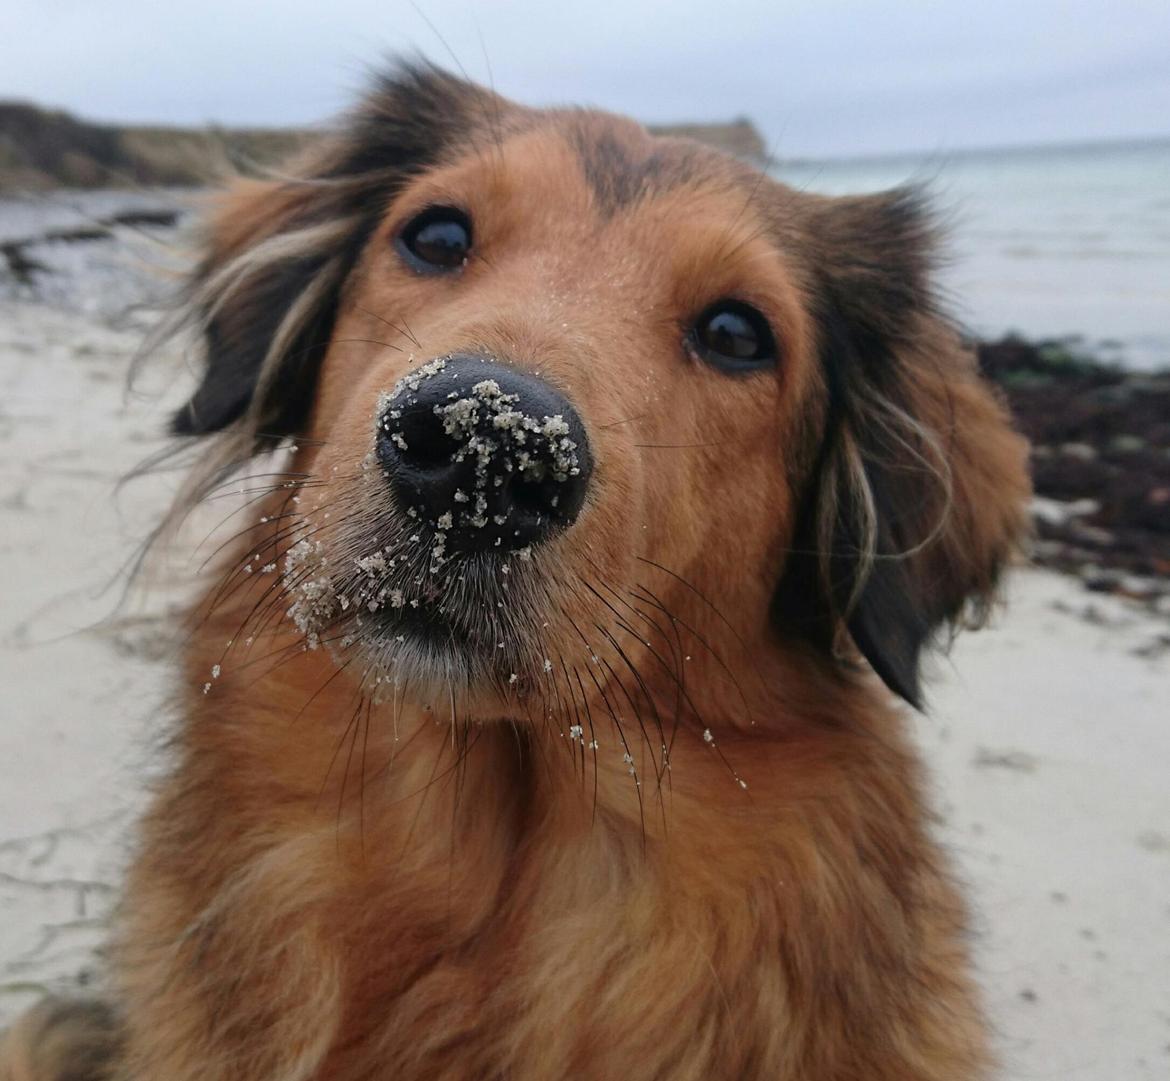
(1049, 242)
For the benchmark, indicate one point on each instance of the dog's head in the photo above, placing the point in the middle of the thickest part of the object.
(552, 379)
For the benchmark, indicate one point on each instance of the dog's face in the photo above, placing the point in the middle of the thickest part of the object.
(567, 382)
(552, 378)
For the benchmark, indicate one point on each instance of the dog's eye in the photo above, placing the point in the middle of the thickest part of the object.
(734, 337)
(436, 241)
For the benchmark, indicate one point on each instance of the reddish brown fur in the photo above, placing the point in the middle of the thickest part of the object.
(454, 889)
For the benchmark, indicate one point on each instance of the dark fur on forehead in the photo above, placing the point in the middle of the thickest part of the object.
(412, 118)
(623, 165)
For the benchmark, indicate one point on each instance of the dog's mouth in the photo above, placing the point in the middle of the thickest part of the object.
(463, 618)
(469, 610)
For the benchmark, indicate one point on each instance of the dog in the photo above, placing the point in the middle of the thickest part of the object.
(544, 719)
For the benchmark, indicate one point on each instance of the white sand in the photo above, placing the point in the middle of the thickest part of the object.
(1049, 738)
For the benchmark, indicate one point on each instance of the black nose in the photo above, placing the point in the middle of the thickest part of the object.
(492, 457)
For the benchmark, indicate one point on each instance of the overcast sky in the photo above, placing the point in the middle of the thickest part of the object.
(819, 77)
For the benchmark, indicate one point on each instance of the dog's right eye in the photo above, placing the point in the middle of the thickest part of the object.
(437, 241)
(733, 337)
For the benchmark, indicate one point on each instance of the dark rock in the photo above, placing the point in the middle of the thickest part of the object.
(159, 219)
(1098, 433)
(19, 264)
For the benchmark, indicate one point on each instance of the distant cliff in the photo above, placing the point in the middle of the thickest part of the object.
(739, 137)
(42, 149)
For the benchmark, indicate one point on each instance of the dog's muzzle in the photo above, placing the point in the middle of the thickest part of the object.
(489, 456)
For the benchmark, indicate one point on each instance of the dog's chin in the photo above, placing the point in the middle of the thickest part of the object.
(440, 647)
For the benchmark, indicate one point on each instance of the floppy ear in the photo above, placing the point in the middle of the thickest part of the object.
(267, 246)
(918, 492)
(277, 252)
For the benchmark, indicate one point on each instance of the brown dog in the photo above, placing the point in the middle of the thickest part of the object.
(529, 731)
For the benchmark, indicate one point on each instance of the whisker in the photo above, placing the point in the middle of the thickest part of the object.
(329, 768)
(627, 420)
(713, 607)
(651, 599)
(618, 726)
(362, 783)
(674, 644)
(646, 694)
(404, 330)
(592, 738)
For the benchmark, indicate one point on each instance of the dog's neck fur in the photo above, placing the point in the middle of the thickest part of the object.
(432, 908)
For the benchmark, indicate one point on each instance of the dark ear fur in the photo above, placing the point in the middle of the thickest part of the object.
(293, 241)
(238, 335)
(918, 491)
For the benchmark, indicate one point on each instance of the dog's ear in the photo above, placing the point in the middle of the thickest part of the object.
(918, 492)
(260, 259)
(276, 253)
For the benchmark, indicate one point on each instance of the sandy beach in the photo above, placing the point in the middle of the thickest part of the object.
(1048, 734)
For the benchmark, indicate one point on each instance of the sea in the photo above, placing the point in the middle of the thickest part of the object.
(1047, 242)
(1050, 242)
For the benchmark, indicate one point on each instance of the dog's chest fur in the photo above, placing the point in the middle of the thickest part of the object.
(488, 926)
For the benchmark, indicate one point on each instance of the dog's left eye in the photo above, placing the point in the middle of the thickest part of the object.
(436, 241)
(734, 337)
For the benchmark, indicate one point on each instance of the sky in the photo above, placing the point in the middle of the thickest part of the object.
(818, 77)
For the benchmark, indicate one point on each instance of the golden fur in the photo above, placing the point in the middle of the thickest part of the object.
(691, 845)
